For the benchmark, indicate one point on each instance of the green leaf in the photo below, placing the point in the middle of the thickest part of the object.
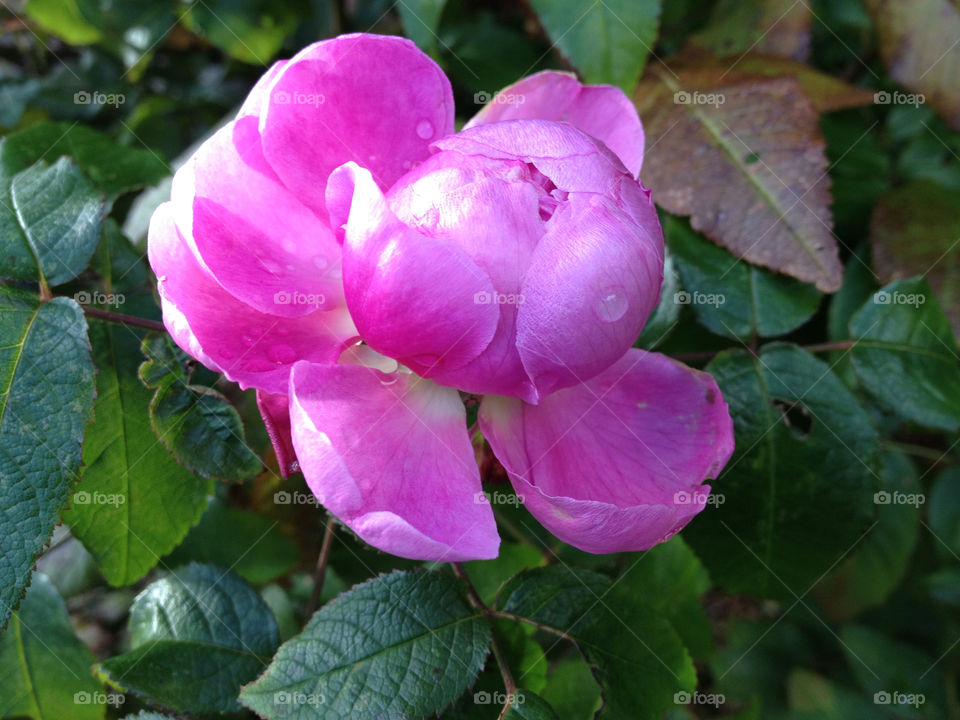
(664, 316)
(880, 561)
(421, 19)
(248, 30)
(50, 221)
(621, 637)
(196, 636)
(906, 354)
(257, 551)
(135, 502)
(45, 668)
(118, 262)
(571, 689)
(944, 512)
(195, 423)
(779, 27)
(76, 21)
(733, 298)
(672, 579)
(46, 400)
(882, 664)
(798, 491)
(607, 41)
(113, 168)
(404, 644)
(527, 706)
(488, 575)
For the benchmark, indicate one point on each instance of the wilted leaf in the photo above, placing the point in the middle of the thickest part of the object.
(918, 42)
(915, 230)
(778, 27)
(825, 92)
(742, 155)
(47, 376)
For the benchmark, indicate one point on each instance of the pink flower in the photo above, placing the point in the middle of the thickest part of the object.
(517, 260)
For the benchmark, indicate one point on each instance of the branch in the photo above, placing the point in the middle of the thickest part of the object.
(509, 685)
(122, 319)
(322, 562)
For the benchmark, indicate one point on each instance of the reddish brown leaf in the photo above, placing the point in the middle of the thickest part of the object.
(743, 156)
(920, 44)
(775, 27)
(825, 92)
(915, 230)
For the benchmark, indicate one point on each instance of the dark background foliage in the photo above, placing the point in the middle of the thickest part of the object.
(805, 156)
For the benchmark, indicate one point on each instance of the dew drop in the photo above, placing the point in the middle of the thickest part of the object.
(289, 245)
(248, 340)
(320, 262)
(389, 379)
(281, 354)
(612, 305)
(425, 129)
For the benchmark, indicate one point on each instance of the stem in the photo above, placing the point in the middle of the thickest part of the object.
(827, 347)
(508, 683)
(322, 562)
(533, 623)
(122, 319)
(918, 450)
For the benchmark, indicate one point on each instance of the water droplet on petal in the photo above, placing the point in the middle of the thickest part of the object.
(425, 129)
(612, 305)
(281, 354)
(248, 340)
(289, 245)
(389, 378)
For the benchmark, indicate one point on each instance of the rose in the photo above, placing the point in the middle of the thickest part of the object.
(596, 437)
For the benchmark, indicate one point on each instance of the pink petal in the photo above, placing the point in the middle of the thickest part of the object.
(615, 464)
(275, 411)
(260, 243)
(594, 279)
(571, 159)
(602, 111)
(389, 455)
(376, 100)
(249, 347)
(411, 296)
(496, 222)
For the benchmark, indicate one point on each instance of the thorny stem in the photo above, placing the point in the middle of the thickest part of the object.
(322, 562)
(508, 683)
(122, 319)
